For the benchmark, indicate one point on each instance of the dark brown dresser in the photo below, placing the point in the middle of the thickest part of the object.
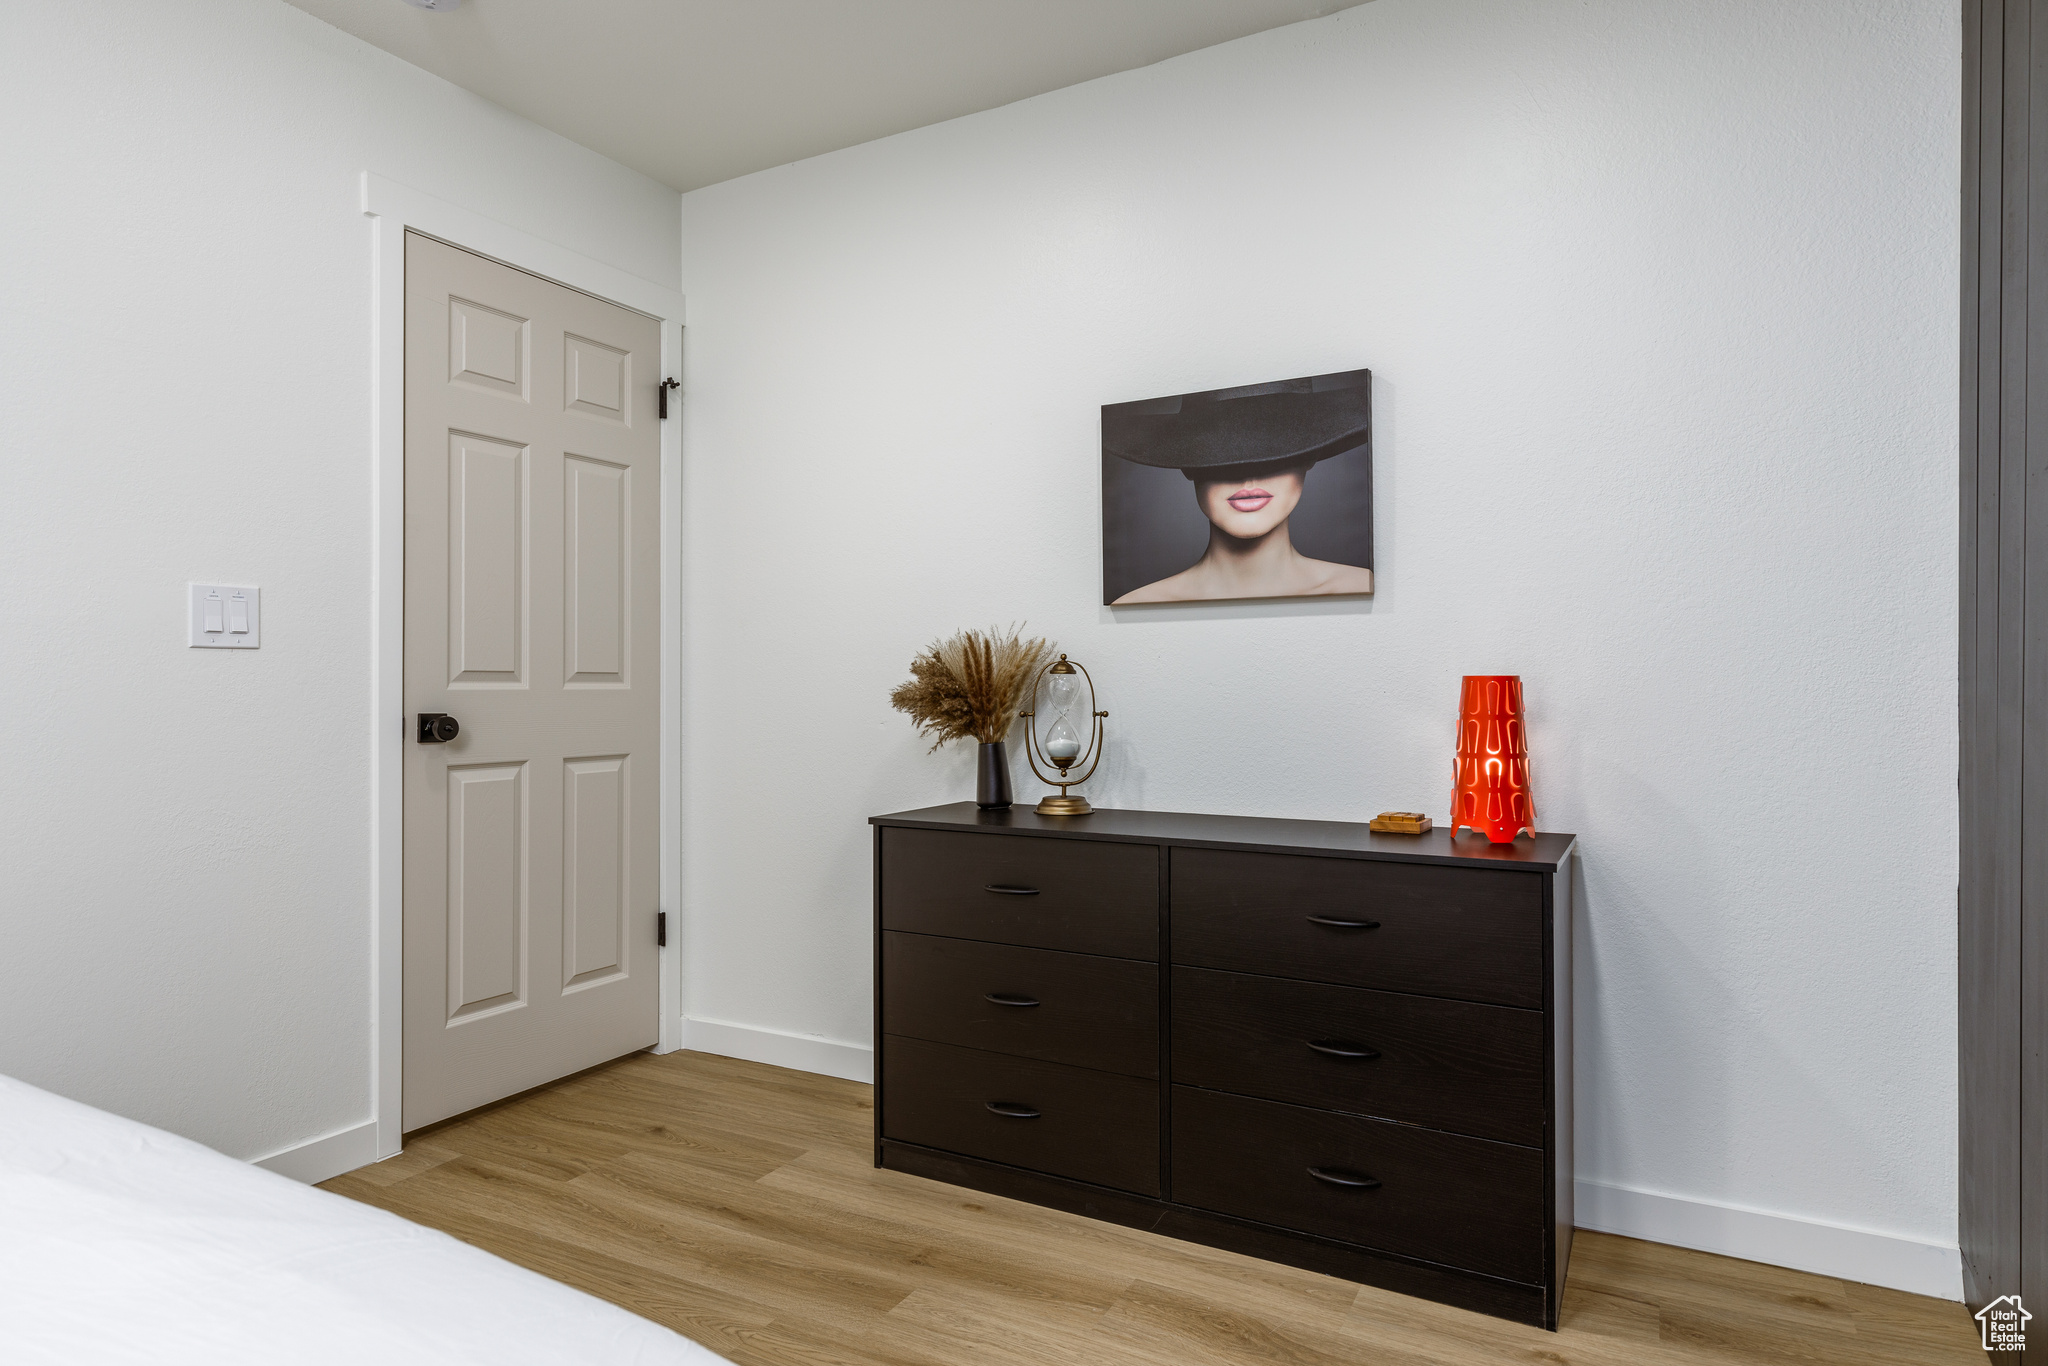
(1299, 1040)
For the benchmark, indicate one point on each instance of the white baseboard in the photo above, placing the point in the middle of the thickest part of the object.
(801, 1052)
(320, 1158)
(1851, 1254)
(345, 1150)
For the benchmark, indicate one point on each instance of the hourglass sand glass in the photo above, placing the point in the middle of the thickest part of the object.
(1063, 703)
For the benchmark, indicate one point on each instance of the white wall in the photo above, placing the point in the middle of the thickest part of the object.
(1661, 303)
(184, 394)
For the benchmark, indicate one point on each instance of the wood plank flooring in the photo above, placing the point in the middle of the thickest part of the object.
(738, 1204)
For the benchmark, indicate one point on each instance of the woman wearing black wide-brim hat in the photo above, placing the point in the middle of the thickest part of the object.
(1248, 452)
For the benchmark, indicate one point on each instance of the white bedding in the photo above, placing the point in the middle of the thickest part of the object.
(122, 1243)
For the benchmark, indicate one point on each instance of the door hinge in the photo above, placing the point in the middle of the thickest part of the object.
(661, 929)
(661, 395)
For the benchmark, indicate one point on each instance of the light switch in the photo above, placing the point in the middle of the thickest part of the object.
(224, 616)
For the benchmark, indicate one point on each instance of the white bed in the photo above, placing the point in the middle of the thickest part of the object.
(122, 1243)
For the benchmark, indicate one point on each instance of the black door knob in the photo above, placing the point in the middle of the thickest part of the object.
(438, 728)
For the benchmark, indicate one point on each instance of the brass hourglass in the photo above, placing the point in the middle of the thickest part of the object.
(1065, 692)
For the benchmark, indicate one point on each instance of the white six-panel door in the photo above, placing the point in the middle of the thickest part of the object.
(532, 555)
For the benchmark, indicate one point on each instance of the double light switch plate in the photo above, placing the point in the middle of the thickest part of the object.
(224, 616)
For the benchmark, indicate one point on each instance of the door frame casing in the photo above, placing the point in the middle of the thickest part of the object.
(392, 209)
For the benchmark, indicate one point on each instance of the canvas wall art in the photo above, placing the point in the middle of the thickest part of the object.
(1261, 491)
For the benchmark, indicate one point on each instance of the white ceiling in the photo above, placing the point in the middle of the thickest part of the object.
(692, 92)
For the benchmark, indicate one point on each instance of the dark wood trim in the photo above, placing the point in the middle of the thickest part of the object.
(2023, 646)
(1445, 1285)
(878, 1035)
(1262, 834)
(1165, 1023)
(2003, 367)
(1557, 915)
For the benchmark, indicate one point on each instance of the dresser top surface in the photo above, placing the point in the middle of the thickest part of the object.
(1264, 833)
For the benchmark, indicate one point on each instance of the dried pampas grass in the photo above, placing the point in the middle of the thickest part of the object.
(934, 699)
(971, 684)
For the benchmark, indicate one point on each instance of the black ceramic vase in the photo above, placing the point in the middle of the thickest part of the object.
(992, 778)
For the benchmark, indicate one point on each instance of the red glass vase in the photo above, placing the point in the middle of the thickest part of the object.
(1490, 791)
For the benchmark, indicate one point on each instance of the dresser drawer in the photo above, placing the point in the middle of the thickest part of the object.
(1471, 1069)
(1066, 1121)
(1082, 896)
(1033, 1003)
(1470, 934)
(1461, 1202)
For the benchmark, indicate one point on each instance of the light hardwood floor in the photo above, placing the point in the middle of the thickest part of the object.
(738, 1204)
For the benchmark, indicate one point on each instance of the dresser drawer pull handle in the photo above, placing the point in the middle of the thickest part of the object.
(1005, 998)
(1336, 924)
(1340, 1176)
(1001, 890)
(1010, 1109)
(1338, 1048)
